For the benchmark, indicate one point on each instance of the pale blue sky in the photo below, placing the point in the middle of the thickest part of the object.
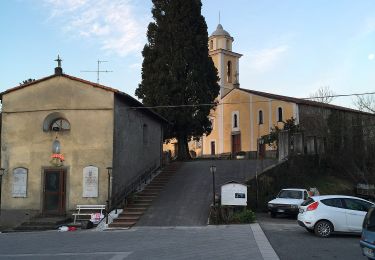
(290, 47)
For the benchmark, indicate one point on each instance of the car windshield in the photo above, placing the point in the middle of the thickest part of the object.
(369, 222)
(290, 194)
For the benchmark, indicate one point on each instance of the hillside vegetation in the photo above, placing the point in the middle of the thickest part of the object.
(302, 172)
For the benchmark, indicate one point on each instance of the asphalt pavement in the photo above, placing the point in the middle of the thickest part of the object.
(210, 242)
(186, 199)
(290, 241)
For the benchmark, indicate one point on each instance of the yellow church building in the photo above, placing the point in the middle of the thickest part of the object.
(242, 116)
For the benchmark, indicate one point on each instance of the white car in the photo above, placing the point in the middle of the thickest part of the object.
(287, 202)
(326, 214)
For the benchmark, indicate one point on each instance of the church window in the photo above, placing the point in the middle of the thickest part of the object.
(235, 121)
(228, 45)
(211, 44)
(279, 114)
(260, 117)
(229, 72)
(60, 124)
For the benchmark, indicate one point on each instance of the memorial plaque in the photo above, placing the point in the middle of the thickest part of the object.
(19, 189)
(90, 182)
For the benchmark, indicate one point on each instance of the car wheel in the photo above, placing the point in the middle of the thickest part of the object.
(323, 228)
(273, 214)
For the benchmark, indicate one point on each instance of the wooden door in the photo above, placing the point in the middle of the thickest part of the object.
(54, 192)
(236, 144)
(213, 148)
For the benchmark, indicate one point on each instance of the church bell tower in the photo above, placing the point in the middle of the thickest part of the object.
(226, 61)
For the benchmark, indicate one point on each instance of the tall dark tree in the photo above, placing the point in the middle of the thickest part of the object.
(177, 71)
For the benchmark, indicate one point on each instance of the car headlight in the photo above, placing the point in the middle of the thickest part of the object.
(294, 206)
(270, 205)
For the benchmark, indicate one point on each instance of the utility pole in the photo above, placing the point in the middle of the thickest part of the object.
(98, 71)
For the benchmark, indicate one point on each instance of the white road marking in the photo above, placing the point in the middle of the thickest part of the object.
(117, 255)
(264, 245)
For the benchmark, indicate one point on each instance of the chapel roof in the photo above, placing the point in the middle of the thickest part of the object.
(129, 99)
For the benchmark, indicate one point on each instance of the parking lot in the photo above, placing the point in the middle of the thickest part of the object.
(290, 241)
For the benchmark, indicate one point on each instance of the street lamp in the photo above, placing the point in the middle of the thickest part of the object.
(213, 170)
(109, 171)
(2, 172)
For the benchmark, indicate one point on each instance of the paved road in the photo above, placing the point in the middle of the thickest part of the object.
(291, 241)
(186, 198)
(211, 242)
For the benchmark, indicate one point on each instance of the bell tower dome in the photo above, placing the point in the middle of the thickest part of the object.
(226, 61)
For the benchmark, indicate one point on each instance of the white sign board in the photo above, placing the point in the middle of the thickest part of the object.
(90, 182)
(19, 189)
(234, 194)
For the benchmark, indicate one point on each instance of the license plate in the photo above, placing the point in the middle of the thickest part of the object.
(368, 252)
(280, 210)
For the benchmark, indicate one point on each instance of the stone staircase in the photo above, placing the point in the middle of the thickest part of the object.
(138, 205)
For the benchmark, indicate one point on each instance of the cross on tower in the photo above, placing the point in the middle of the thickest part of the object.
(58, 61)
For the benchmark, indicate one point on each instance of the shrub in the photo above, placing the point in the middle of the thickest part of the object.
(246, 216)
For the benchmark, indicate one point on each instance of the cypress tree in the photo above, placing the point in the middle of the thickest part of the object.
(177, 71)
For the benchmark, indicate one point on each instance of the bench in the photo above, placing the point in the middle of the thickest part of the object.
(86, 211)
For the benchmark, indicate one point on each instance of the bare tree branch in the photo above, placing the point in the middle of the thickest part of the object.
(365, 103)
(324, 95)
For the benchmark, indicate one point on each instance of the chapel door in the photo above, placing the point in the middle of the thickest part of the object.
(54, 192)
(236, 144)
(213, 152)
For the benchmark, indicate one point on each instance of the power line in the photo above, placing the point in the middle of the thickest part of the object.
(248, 102)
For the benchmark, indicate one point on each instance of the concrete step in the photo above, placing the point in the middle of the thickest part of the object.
(159, 181)
(151, 186)
(141, 204)
(34, 228)
(132, 213)
(152, 189)
(126, 218)
(142, 200)
(126, 224)
(132, 208)
(148, 193)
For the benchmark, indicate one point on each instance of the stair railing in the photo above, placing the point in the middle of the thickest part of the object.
(119, 199)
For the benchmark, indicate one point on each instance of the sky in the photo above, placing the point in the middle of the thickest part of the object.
(289, 47)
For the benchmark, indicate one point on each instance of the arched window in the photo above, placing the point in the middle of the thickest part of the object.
(211, 44)
(279, 114)
(229, 71)
(235, 123)
(228, 45)
(260, 117)
(56, 121)
(60, 124)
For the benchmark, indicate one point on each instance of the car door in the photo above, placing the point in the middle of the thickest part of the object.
(355, 213)
(335, 212)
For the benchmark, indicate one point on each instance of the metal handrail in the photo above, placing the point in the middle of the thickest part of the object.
(115, 201)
